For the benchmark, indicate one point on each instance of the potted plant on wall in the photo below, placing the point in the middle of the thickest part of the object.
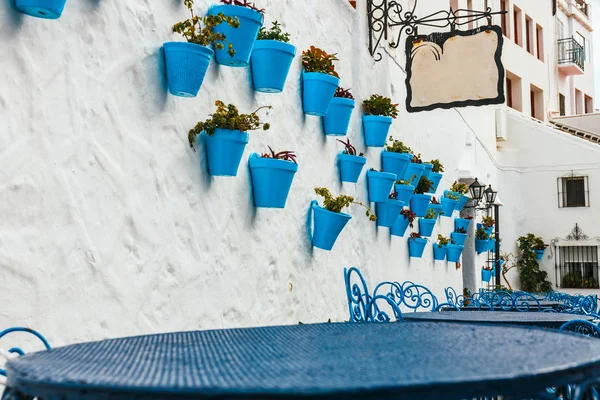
(395, 158)
(272, 175)
(427, 223)
(187, 62)
(486, 273)
(46, 9)
(319, 81)
(492, 243)
(481, 240)
(435, 176)
(487, 223)
(225, 136)
(349, 163)
(389, 211)
(454, 251)
(379, 185)
(459, 236)
(416, 245)
(428, 169)
(404, 189)
(337, 119)
(435, 206)
(377, 119)
(415, 167)
(462, 189)
(329, 219)
(406, 219)
(462, 223)
(419, 202)
(440, 249)
(271, 59)
(449, 203)
(243, 38)
(539, 247)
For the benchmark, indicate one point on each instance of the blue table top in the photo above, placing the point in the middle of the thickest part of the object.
(395, 360)
(543, 319)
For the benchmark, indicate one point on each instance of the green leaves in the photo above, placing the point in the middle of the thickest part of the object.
(317, 60)
(336, 204)
(460, 188)
(275, 33)
(437, 166)
(379, 105)
(532, 278)
(396, 146)
(423, 186)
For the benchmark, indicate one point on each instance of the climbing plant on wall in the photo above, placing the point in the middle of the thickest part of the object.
(532, 278)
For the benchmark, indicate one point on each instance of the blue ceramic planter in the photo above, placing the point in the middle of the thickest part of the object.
(388, 212)
(47, 9)
(376, 128)
(337, 119)
(404, 192)
(379, 185)
(271, 180)
(413, 169)
(461, 223)
(427, 171)
(399, 228)
(224, 151)
(317, 92)
(435, 178)
(426, 226)
(186, 65)
(416, 247)
(492, 245)
(486, 275)
(539, 254)
(270, 63)
(242, 38)
(439, 253)
(437, 209)
(350, 167)
(487, 230)
(461, 203)
(327, 226)
(419, 203)
(395, 163)
(448, 206)
(454, 252)
(481, 245)
(459, 238)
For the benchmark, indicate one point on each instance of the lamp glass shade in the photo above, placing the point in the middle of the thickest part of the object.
(476, 189)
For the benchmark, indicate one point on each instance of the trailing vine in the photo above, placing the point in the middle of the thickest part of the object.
(336, 204)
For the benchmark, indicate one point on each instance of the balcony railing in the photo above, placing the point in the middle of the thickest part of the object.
(571, 52)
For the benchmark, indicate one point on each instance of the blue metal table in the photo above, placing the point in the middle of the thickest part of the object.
(368, 361)
(539, 319)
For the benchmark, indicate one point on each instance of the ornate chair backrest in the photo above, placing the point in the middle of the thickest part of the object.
(363, 307)
(418, 297)
(18, 350)
(581, 326)
(524, 302)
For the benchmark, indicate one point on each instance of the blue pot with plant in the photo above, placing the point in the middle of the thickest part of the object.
(349, 163)
(448, 206)
(492, 245)
(46, 9)
(486, 274)
(406, 219)
(481, 246)
(435, 207)
(454, 252)
(337, 119)
(459, 189)
(414, 170)
(428, 169)
(272, 175)
(319, 81)
(240, 38)
(461, 203)
(379, 185)
(460, 223)
(225, 136)
(458, 238)
(419, 202)
(439, 252)
(271, 59)
(396, 157)
(377, 119)
(435, 175)
(404, 192)
(539, 254)
(416, 245)
(427, 224)
(388, 212)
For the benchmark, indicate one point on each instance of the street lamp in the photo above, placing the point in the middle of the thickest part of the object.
(476, 189)
(490, 195)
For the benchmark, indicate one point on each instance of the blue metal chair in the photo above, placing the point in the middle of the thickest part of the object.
(581, 326)
(363, 307)
(18, 350)
(418, 297)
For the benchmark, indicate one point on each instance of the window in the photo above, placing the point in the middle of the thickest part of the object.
(518, 26)
(588, 51)
(589, 105)
(573, 191)
(578, 267)
(470, 7)
(509, 99)
(581, 40)
(579, 106)
(529, 34)
(539, 37)
(504, 17)
(562, 104)
(536, 97)
(514, 98)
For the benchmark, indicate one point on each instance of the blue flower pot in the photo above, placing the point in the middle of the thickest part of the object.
(242, 38)
(492, 245)
(461, 203)
(395, 163)
(439, 253)
(47, 9)
(419, 203)
(487, 230)
(186, 65)
(270, 63)
(435, 178)
(350, 167)
(317, 92)
(399, 228)
(376, 128)
(454, 252)
(481, 245)
(437, 209)
(486, 275)
(428, 168)
(416, 247)
(539, 254)
(327, 226)
(388, 212)
(271, 180)
(404, 192)
(426, 226)
(337, 119)
(379, 185)
(224, 151)
(461, 223)
(448, 206)
(413, 169)
(459, 238)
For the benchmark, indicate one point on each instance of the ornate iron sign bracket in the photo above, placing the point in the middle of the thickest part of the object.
(384, 15)
(575, 235)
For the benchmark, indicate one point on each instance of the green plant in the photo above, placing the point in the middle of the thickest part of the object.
(424, 186)
(417, 159)
(532, 278)
(343, 93)
(460, 188)
(460, 230)
(539, 244)
(406, 181)
(396, 146)
(317, 60)
(336, 204)
(379, 105)
(244, 3)
(442, 240)
(488, 222)
(275, 33)
(227, 117)
(437, 166)
(481, 234)
(431, 214)
(282, 155)
(351, 150)
(200, 30)
(453, 195)
(409, 215)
